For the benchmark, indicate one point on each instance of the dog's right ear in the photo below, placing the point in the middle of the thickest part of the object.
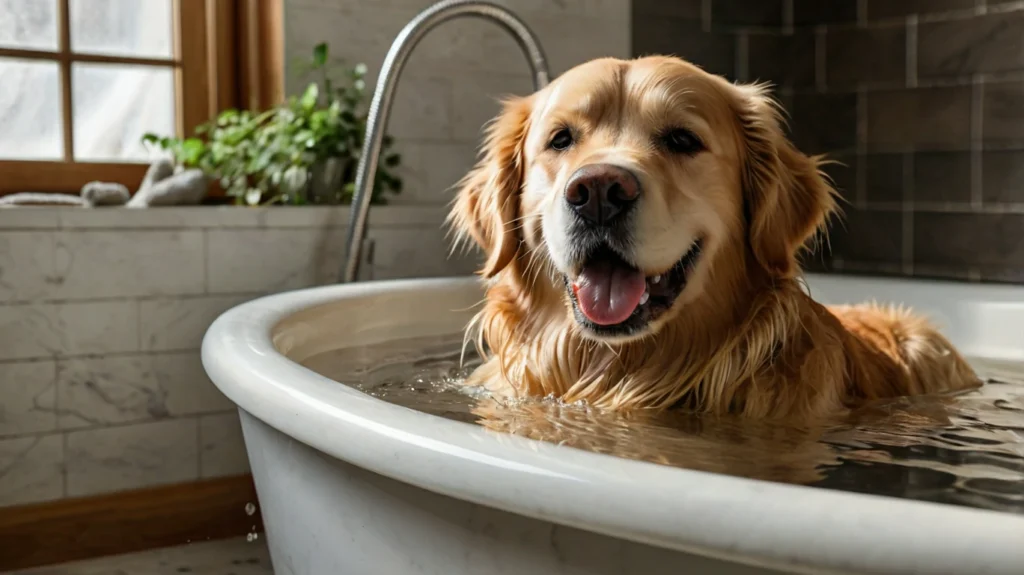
(486, 207)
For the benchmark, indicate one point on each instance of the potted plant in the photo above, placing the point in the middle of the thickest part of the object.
(305, 150)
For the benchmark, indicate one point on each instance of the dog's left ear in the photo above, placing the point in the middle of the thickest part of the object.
(487, 203)
(787, 198)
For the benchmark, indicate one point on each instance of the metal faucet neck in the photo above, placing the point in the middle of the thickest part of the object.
(380, 106)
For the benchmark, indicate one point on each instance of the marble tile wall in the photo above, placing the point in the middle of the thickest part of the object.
(102, 313)
(456, 74)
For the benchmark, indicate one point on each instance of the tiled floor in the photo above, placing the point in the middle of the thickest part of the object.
(229, 557)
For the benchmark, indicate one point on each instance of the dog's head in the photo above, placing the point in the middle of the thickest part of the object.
(631, 182)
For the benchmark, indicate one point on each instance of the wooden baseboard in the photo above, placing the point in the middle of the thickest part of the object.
(73, 529)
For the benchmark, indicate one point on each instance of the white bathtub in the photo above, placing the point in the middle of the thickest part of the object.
(349, 484)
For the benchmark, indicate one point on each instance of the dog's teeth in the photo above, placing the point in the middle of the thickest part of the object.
(656, 279)
(645, 297)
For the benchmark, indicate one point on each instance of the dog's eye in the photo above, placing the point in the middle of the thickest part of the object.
(561, 140)
(680, 141)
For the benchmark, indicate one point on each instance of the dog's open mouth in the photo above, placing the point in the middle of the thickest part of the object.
(611, 297)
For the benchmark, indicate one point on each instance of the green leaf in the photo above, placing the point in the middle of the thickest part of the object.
(238, 188)
(309, 97)
(227, 117)
(192, 150)
(302, 137)
(320, 54)
(271, 152)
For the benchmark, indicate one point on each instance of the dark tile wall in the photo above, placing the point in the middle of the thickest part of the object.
(921, 102)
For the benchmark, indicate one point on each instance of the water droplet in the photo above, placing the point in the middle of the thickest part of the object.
(252, 537)
(250, 509)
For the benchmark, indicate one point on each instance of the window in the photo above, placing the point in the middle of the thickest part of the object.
(82, 80)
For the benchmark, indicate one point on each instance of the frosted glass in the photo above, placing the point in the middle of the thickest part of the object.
(30, 110)
(114, 105)
(28, 24)
(137, 28)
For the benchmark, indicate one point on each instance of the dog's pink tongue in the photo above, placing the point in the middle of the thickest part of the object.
(608, 293)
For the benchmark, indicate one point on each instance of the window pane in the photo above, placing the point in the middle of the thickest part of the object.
(114, 105)
(140, 28)
(28, 24)
(30, 110)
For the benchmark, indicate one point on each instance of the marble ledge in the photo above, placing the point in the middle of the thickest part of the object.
(214, 217)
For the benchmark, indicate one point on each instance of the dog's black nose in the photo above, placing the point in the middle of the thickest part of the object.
(601, 192)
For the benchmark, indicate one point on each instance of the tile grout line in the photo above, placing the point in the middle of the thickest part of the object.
(63, 461)
(821, 58)
(977, 141)
(199, 446)
(907, 215)
(117, 425)
(138, 325)
(206, 262)
(144, 298)
(742, 63)
(705, 15)
(99, 355)
(948, 208)
(911, 48)
(944, 15)
(1013, 76)
(788, 18)
(860, 198)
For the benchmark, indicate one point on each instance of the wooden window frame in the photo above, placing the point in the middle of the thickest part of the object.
(232, 57)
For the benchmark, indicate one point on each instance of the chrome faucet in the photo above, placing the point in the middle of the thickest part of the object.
(380, 106)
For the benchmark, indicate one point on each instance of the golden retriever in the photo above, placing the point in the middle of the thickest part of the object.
(642, 222)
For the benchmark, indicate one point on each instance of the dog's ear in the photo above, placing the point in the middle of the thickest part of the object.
(786, 196)
(487, 204)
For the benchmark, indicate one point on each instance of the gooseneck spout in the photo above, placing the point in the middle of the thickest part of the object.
(380, 106)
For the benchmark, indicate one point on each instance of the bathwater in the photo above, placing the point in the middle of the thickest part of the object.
(964, 450)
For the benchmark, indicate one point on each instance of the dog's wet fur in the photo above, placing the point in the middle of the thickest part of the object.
(702, 204)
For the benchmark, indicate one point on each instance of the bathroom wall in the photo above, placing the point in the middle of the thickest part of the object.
(102, 313)
(449, 88)
(923, 101)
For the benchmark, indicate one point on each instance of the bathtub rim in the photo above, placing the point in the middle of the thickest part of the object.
(751, 521)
